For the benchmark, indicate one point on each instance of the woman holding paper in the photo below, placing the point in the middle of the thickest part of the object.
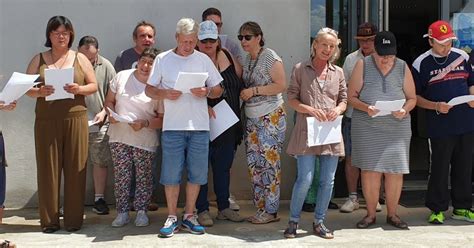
(318, 90)
(381, 145)
(264, 78)
(133, 143)
(222, 149)
(61, 130)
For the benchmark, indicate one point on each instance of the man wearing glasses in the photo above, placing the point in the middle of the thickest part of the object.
(365, 37)
(213, 14)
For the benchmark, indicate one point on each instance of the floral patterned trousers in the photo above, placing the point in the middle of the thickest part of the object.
(264, 139)
(124, 156)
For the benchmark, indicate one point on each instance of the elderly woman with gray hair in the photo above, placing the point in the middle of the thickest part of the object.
(317, 89)
(185, 137)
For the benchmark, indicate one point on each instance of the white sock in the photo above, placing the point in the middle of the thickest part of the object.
(353, 196)
(98, 196)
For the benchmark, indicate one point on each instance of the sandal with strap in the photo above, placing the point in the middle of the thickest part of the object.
(397, 222)
(365, 222)
(322, 231)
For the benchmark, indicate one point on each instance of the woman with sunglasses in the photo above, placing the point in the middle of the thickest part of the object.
(222, 149)
(61, 130)
(317, 89)
(264, 79)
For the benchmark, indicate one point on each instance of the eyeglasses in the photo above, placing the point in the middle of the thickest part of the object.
(59, 34)
(209, 40)
(246, 37)
(218, 24)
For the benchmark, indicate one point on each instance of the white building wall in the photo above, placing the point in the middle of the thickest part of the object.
(285, 24)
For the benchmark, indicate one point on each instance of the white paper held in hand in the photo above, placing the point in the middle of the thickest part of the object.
(386, 107)
(129, 118)
(188, 80)
(460, 100)
(58, 78)
(225, 118)
(323, 132)
(17, 86)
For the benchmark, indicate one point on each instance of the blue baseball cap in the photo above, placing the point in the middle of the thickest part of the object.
(207, 30)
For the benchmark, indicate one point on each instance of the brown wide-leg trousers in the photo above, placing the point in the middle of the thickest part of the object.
(61, 147)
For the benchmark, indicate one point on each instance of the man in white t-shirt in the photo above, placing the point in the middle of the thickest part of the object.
(185, 137)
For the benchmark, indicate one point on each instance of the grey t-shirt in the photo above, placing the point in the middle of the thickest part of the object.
(127, 59)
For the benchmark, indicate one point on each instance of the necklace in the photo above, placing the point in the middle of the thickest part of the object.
(442, 63)
(64, 61)
(254, 65)
(321, 82)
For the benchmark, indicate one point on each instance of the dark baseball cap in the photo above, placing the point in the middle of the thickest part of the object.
(385, 43)
(366, 30)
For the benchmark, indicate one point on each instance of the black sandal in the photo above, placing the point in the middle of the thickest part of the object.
(365, 222)
(322, 231)
(397, 222)
(50, 229)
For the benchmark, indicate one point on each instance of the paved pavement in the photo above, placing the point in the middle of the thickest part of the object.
(22, 227)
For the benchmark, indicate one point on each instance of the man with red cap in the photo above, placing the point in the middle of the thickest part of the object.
(441, 74)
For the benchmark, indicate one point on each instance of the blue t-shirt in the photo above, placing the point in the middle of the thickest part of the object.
(440, 79)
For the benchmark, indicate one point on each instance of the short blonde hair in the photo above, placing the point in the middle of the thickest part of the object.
(187, 26)
(327, 31)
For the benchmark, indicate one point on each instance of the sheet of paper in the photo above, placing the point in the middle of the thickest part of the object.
(129, 118)
(386, 107)
(225, 118)
(58, 78)
(461, 100)
(93, 128)
(189, 80)
(323, 133)
(17, 86)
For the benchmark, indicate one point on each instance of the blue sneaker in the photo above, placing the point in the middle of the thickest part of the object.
(169, 228)
(192, 225)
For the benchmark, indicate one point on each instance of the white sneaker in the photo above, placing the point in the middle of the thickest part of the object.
(122, 219)
(350, 205)
(378, 208)
(232, 204)
(141, 219)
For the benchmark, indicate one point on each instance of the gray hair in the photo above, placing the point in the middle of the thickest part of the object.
(187, 26)
(327, 31)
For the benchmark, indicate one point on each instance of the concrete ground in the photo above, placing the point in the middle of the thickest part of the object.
(22, 227)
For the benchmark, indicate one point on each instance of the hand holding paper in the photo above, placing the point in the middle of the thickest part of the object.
(460, 100)
(188, 80)
(58, 78)
(322, 133)
(122, 118)
(387, 107)
(17, 86)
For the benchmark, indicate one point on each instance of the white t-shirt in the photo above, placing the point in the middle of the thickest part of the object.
(348, 67)
(130, 98)
(188, 112)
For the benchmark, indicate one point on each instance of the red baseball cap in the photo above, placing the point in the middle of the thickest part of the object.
(440, 31)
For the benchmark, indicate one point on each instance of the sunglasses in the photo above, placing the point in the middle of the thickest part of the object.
(246, 37)
(209, 40)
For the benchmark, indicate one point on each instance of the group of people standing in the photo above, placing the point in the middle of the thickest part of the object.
(173, 126)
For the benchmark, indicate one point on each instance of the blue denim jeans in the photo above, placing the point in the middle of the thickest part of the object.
(181, 149)
(305, 174)
(221, 159)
